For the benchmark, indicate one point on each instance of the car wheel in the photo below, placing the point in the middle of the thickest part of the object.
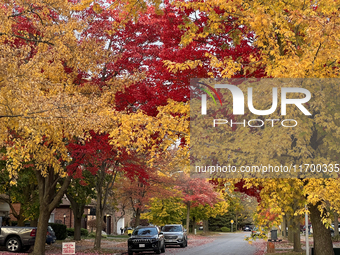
(130, 252)
(158, 251)
(13, 244)
(163, 248)
(184, 244)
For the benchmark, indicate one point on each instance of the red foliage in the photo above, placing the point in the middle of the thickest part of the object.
(143, 45)
(95, 153)
(198, 191)
(253, 191)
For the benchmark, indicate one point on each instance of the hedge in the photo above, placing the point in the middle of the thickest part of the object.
(83, 232)
(59, 230)
(225, 229)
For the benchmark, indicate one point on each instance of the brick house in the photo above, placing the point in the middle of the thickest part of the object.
(63, 214)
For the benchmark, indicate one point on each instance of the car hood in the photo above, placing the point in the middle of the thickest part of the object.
(173, 233)
(141, 237)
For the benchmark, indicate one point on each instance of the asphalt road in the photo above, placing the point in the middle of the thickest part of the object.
(224, 244)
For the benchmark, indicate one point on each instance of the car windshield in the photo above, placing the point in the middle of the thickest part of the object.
(172, 229)
(145, 232)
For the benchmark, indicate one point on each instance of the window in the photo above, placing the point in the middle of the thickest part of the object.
(51, 220)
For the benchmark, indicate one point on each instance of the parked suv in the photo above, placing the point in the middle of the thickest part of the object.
(50, 236)
(17, 239)
(175, 234)
(146, 239)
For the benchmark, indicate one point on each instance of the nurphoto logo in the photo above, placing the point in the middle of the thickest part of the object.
(238, 104)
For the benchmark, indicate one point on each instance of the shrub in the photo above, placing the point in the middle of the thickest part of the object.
(84, 232)
(214, 228)
(92, 234)
(60, 230)
(14, 223)
(225, 229)
(70, 231)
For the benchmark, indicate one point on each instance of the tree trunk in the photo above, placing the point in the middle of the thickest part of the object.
(99, 227)
(283, 227)
(137, 219)
(49, 198)
(285, 234)
(34, 223)
(188, 216)
(336, 224)
(290, 230)
(205, 226)
(194, 225)
(296, 231)
(236, 223)
(322, 236)
(77, 228)
(40, 238)
(78, 211)
(21, 221)
(101, 199)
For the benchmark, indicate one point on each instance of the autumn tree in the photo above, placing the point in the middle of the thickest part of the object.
(195, 192)
(165, 211)
(100, 159)
(294, 39)
(139, 191)
(46, 96)
(23, 193)
(79, 193)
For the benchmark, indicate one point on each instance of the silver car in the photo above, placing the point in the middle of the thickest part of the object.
(175, 234)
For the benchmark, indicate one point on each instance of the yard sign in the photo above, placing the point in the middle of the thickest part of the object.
(69, 248)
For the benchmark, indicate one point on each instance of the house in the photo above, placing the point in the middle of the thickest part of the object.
(63, 214)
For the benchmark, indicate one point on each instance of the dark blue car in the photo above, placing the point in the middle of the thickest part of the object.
(50, 236)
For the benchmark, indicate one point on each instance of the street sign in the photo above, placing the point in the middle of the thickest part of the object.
(69, 248)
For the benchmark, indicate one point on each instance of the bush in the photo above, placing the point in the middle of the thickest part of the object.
(70, 231)
(225, 229)
(60, 230)
(93, 234)
(214, 228)
(84, 232)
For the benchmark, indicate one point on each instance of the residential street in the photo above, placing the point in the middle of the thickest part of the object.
(226, 244)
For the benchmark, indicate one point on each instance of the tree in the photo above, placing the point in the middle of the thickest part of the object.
(79, 193)
(45, 94)
(196, 192)
(165, 211)
(292, 39)
(23, 193)
(100, 159)
(139, 191)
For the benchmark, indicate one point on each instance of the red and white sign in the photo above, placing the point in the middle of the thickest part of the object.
(69, 248)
